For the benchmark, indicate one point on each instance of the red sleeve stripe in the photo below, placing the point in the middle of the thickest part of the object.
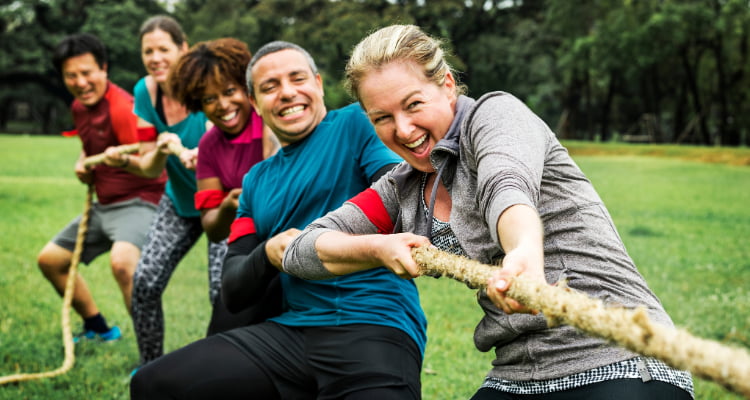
(147, 134)
(241, 227)
(209, 198)
(372, 206)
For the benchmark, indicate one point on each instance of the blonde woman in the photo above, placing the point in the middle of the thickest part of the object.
(486, 179)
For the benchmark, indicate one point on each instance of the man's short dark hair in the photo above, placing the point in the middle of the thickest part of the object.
(273, 47)
(78, 44)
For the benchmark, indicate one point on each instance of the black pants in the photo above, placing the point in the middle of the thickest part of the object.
(616, 389)
(271, 361)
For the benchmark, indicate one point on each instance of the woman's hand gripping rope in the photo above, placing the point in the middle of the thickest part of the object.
(170, 143)
(629, 328)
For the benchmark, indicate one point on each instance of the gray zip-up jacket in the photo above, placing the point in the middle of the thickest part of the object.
(498, 153)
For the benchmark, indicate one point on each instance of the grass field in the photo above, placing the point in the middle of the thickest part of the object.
(686, 223)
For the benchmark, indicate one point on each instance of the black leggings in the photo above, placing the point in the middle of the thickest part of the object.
(616, 389)
(215, 368)
(182, 374)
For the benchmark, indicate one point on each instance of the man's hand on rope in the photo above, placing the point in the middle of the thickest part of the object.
(114, 157)
(518, 262)
(276, 245)
(85, 175)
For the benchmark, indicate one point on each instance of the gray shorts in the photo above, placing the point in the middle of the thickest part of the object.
(126, 221)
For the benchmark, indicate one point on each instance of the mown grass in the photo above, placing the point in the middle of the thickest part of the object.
(685, 223)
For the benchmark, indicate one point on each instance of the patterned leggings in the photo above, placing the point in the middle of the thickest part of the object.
(169, 238)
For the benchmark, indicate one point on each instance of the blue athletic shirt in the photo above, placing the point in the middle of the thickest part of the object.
(304, 181)
(181, 185)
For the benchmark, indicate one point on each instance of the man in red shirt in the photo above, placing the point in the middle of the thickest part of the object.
(125, 203)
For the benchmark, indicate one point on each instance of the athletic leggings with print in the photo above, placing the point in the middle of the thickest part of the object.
(169, 239)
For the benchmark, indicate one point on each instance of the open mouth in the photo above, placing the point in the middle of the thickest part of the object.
(416, 143)
(419, 146)
(229, 117)
(159, 71)
(85, 94)
(292, 110)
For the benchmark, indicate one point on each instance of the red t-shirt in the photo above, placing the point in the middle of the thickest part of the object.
(111, 122)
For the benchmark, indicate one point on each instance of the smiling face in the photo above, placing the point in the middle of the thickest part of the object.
(227, 106)
(288, 95)
(410, 114)
(159, 52)
(85, 79)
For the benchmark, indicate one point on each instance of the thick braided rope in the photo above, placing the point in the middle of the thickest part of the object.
(67, 300)
(174, 148)
(99, 158)
(632, 329)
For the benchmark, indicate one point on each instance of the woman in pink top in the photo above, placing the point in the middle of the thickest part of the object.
(210, 78)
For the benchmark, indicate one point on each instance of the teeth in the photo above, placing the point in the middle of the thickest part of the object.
(229, 116)
(413, 145)
(292, 110)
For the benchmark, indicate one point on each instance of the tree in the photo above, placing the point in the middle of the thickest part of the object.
(676, 69)
(32, 28)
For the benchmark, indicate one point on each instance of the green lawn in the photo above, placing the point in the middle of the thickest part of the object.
(685, 223)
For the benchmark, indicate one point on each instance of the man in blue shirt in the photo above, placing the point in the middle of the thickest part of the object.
(357, 336)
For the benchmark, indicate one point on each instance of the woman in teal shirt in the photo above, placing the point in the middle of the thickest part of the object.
(177, 224)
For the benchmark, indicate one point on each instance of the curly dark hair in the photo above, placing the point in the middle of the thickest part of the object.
(216, 61)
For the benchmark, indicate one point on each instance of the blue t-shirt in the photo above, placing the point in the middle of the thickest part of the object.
(181, 185)
(304, 181)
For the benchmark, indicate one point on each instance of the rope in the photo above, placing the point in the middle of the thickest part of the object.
(174, 148)
(99, 158)
(67, 299)
(630, 328)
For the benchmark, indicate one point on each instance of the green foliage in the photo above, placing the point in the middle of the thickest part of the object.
(685, 223)
(30, 31)
(597, 67)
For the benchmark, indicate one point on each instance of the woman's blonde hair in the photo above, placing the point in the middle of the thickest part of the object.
(398, 43)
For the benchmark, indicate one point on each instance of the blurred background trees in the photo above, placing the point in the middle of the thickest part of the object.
(660, 71)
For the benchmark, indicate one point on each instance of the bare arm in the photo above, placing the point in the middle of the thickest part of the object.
(217, 221)
(153, 156)
(342, 253)
(521, 236)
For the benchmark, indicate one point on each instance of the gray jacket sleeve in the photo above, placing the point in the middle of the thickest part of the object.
(506, 145)
(300, 257)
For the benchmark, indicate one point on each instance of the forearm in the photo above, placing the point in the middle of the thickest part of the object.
(151, 163)
(519, 225)
(322, 253)
(246, 273)
(521, 235)
(132, 164)
(216, 223)
(342, 253)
